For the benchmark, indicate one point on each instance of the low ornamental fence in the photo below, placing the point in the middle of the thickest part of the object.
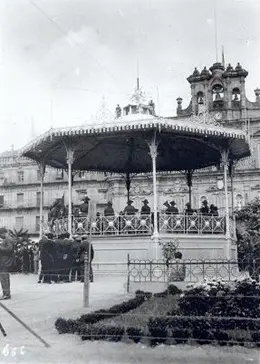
(191, 270)
(141, 225)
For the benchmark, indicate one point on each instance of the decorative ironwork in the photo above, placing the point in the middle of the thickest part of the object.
(142, 224)
(103, 225)
(191, 270)
(191, 224)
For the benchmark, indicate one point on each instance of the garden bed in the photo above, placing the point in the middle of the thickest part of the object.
(208, 313)
(139, 317)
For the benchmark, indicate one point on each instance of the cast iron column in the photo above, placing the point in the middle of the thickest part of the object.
(42, 166)
(153, 153)
(225, 161)
(70, 160)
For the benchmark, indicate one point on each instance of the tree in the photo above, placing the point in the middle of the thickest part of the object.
(248, 236)
(19, 236)
(169, 250)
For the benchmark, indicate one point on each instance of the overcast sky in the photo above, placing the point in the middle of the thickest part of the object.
(59, 58)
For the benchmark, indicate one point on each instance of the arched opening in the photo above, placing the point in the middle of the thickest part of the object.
(236, 97)
(201, 103)
(239, 202)
(218, 96)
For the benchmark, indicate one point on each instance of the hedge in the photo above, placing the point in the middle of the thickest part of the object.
(64, 326)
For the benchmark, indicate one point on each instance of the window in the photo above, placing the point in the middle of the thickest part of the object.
(20, 199)
(38, 199)
(37, 223)
(20, 176)
(201, 103)
(19, 222)
(236, 97)
(239, 202)
(1, 201)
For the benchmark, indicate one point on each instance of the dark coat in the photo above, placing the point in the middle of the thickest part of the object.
(7, 256)
(145, 210)
(83, 248)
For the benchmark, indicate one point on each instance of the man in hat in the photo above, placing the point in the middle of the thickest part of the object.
(47, 259)
(109, 211)
(145, 210)
(84, 206)
(7, 259)
(129, 209)
(67, 259)
(172, 209)
(189, 210)
(204, 210)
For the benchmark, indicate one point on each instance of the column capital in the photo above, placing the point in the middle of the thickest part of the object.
(153, 146)
(42, 167)
(70, 156)
(225, 157)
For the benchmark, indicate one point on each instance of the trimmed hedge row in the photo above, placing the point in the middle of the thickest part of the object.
(203, 330)
(64, 326)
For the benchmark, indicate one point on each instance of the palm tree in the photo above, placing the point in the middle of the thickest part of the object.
(19, 236)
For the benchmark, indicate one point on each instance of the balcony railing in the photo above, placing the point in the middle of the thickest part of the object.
(141, 225)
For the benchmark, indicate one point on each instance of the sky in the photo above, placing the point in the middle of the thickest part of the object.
(60, 60)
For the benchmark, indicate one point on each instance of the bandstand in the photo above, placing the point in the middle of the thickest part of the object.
(137, 141)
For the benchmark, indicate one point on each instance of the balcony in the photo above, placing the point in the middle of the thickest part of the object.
(134, 225)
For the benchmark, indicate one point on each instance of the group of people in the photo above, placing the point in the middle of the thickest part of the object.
(170, 209)
(62, 258)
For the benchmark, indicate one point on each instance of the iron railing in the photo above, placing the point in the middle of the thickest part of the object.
(191, 270)
(142, 225)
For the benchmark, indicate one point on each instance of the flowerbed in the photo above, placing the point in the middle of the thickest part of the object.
(64, 326)
(210, 312)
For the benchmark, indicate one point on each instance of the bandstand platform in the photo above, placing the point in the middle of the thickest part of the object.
(137, 141)
(121, 237)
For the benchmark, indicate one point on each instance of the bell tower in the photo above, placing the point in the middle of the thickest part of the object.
(219, 91)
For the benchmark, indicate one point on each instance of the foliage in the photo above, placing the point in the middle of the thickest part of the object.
(210, 311)
(172, 290)
(248, 231)
(135, 334)
(169, 250)
(19, 237)
(64, 326)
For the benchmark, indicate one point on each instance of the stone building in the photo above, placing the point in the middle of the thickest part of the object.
(218, 92)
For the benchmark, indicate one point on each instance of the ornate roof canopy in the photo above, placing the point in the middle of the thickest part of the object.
(122, 144)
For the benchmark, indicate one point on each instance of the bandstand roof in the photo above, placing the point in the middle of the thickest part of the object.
(121, 145)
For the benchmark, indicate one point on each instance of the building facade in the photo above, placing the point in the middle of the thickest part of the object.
(218, 92)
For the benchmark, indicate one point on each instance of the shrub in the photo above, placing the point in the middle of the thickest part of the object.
(256, 338)
(158, 329)
(71, 326)
(172, 290)
(180, 336)
(66, 326)
(135, 334)
(221, 337)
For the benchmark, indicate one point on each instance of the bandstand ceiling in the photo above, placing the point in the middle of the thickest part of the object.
(123, 146)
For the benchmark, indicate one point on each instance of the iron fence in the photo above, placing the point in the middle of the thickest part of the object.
(191, 270)
(142, 225)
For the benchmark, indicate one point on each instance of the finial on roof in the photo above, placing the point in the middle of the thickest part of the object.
(196, 72)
